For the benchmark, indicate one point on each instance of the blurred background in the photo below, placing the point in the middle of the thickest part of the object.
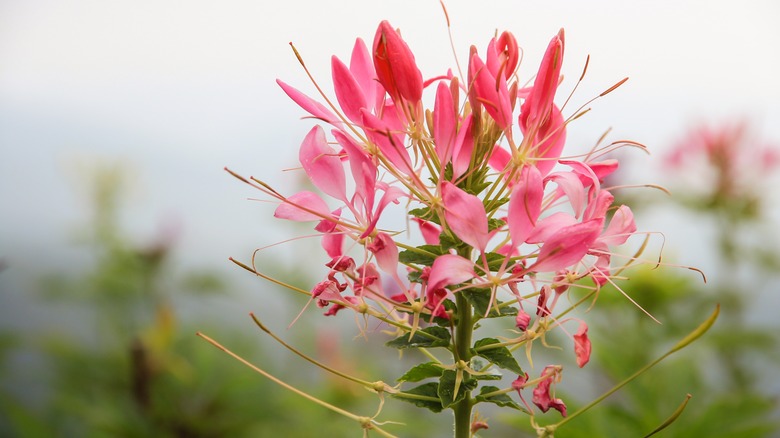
(117, 219)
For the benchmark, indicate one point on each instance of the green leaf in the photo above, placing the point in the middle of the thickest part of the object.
(494, 224)
(502, 400)
(480, 300)
(425, 214)
(499, 356)
(495, 261)
(478, 364)
(447, 387)
(425, 255)
(428, 337)
(421, 372)
(429, 389)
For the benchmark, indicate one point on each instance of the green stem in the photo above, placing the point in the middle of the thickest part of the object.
(463, 331)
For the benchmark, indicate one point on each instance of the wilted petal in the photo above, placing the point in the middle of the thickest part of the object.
(465, 215)
(322, 164)
(542, 397)
(582, 345)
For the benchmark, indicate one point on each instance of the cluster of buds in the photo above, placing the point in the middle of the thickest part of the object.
(503, 224)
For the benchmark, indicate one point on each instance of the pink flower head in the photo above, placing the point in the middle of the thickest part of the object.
(395, 65)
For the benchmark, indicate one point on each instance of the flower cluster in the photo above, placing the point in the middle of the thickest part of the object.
(507, 224)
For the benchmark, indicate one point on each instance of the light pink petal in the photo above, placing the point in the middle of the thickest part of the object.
(550, 225)
(444, 123)
(525, 204)
(386, 252)
(465, 215)
(333, 244)
(348, 91)
(391, 195)
(620, 227)
(311, 106)
(597, 208)
(303, 207)
(604, 168)
(322, 164)
(582, 345)
(584, 172)
(567, 247)
(570, 184)
(600, 270)
(499, 158)
(449, 269)
(364, 171)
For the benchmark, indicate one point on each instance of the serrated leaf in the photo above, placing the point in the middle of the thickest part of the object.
(495, 260)
(502, 400)
(421, 372)
(449, 306)
(447, 240)
(429, 389)
(494, 224)
(427, 338)
(480, 299)
(425, 214)
(447, 387)
(424, 255)
(499, 356)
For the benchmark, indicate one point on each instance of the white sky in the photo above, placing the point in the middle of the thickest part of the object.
(179, 89)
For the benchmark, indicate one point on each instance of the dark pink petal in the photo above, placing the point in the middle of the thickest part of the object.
(567, 246)
(582, 345)
(542, 396)
(395, 66)
(322, 164)
(465, 215)
(348, 91)
(444, 123)
(449, 269)
(509, 53)
(362, 68)
(364, 171)
(390, 142)
(491, 93)
(303, 207)
(311, 106)
(429, 230)
(525, 204)
(537, 106)
(549, 141)
(603, 169)
(620, 227)
(386, 252)
(463, 148)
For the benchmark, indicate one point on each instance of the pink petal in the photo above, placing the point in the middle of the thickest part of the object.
(348, 92)
(567, 247)
(597, 208)
(390, 142)
(465, 216)
(550, 225)
(303, 207)
(333, 244)
(525, 204)
(542, 397)
(313, 107)
(463, 148)
(429, 230)
(570, 184)
(322, 164)
(582, 345)
(495, 99)
(364, 171)
(362, 68)
(620, 227)
(449, 269)
(386, 252)
(536, 107)
(499, 158)
(549, 141)
(395, 65)
(444, 123)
